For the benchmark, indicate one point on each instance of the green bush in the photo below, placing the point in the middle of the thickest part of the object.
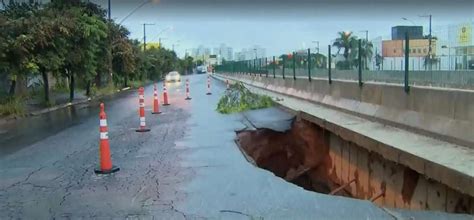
(239, 99)
(12, 106)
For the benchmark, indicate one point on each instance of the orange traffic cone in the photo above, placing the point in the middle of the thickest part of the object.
(165, 94)
(104, 149)
(141, 111)
(156, 105)
(208, 86)
(187, 90)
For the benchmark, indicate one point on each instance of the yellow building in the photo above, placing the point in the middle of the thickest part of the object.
(151, 45)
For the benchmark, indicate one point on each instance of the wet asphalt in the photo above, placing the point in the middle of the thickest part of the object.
(187, 167)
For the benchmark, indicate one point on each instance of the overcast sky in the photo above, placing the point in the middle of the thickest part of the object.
(279, 26)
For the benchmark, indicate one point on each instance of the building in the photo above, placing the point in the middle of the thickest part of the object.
(201, 51)
(250, 53)
(460, 48)
(224, 52)
(452, 49)
(418, 48)
(414, 32)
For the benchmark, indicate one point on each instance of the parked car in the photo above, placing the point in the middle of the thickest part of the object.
(173, 76)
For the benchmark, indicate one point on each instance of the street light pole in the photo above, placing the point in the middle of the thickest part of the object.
(429, 45)
(317, 46)
(133, 11)
(429, 41)
(144, 35)
(110, 10)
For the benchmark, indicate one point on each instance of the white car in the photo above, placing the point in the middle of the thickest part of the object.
(173, 76)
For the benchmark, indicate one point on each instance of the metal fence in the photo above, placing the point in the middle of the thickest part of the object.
(305, 64)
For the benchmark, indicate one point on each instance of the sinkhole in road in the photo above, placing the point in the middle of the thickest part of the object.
(312, 157)
(299, 155)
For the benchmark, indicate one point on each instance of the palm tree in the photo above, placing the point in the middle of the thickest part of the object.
(344, 41)
(366, 51)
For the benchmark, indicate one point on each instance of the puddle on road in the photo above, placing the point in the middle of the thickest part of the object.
(299, 155)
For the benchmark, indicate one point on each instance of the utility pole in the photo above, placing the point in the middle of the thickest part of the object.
(144, 35)
(109, 52)
(110, 10)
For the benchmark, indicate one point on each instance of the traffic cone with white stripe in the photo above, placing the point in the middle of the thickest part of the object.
(104, 148)
(141, 111)
(165, 94)
(156, 105)
(208, 86)
(187, 90)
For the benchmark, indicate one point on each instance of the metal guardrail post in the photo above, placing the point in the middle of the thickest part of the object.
(283, 71)
(254, 69)
(309, 64)
(274, 66)
(407, 57)
(294, 66)
(359, 61)
(248, 67)
(329, 64)
(259, 66)
(266, 67)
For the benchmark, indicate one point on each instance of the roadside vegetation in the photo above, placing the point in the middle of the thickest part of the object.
(239, 99)
(71, 43)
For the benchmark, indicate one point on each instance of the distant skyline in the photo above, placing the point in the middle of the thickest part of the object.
(279, 26)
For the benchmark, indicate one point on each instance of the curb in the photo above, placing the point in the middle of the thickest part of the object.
(57, 107)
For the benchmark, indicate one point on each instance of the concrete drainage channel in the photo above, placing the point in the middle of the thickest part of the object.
(317, 160)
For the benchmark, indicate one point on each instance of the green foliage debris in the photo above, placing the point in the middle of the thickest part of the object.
(239, 99)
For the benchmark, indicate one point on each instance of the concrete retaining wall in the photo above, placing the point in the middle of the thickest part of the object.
(402, 186)
(445, 114)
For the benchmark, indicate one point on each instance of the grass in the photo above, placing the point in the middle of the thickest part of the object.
(103, 91)
(12, 106)
(239, 99)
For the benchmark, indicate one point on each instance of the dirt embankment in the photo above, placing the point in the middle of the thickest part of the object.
(300, 155)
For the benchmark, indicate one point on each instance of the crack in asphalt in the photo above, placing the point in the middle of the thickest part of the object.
(23, 181)
(144, 181)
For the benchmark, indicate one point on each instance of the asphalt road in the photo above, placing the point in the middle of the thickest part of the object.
(187, 167)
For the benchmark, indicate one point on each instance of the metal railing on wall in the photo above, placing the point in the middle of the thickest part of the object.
(304, 64)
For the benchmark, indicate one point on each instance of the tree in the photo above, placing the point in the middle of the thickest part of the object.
(17, 42)
(345, 41)
(350, 45)
(83, 46)
(366, 52)
(430, 61)
(47, 51)
(378, 60)
(124, 54)
(319, 60)
(186, 65)
(199, 62)
(73, 39)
